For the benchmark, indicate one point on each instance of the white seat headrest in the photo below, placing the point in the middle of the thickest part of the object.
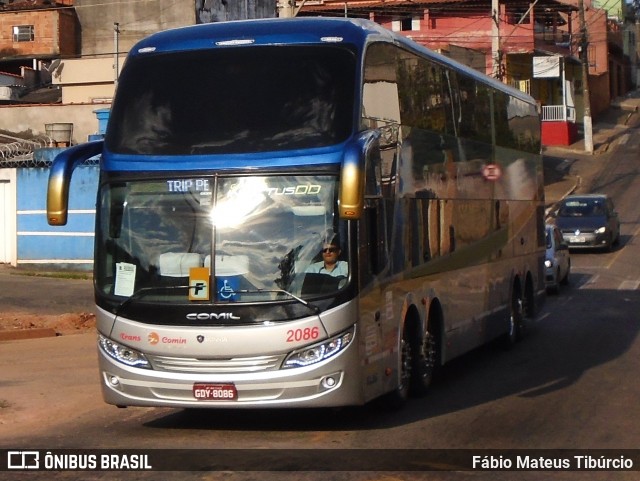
(177, 264)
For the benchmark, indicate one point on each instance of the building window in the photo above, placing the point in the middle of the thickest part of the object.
(23, 33)
(405, 24)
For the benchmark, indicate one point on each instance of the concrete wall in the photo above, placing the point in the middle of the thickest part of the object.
(136, 20)
(29, 121)
(87, 80)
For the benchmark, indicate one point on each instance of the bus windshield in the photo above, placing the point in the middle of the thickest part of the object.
(234, 100)
(253, 238)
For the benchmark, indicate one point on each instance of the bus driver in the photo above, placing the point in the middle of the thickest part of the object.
(330, 264)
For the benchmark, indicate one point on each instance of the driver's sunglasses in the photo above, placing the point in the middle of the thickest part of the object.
(328, 250)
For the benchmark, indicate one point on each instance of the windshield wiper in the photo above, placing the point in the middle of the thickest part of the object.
(143, 291)
(312, 307)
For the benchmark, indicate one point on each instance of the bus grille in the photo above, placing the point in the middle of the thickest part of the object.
(216, 366)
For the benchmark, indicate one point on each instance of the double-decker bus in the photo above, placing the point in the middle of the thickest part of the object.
(305, 212)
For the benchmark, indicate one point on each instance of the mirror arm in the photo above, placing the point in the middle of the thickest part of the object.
(352, 175)
(60, 178)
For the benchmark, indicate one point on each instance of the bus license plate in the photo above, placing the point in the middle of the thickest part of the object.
(215, 392)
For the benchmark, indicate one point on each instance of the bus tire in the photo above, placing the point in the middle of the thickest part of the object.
(425, 360)
(515, 319)
(397, 398)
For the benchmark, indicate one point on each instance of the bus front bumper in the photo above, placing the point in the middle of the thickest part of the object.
(333, 382)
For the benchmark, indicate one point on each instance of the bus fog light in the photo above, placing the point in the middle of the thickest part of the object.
(319, 352)
(328, 382)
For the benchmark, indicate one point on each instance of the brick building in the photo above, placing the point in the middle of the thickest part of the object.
(33, 33)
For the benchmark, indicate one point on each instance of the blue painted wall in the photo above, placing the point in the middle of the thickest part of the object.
(39, 244)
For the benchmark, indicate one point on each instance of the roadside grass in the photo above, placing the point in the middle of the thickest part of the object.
(55, 275)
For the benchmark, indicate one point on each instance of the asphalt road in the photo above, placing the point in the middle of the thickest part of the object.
(43, 295)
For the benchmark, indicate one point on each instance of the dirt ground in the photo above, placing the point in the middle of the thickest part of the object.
(62, 324)
(30, 301)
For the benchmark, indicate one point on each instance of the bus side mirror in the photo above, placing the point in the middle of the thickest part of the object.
(353, 175)
(60, 178)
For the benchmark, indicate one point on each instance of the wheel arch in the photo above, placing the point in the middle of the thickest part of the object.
(516, 285)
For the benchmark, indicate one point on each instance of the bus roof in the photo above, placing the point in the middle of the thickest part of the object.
(271, 31)
(299, 30)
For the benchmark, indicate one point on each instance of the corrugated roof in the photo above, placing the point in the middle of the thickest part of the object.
(29, 5)
(339, 5)
(324, 5)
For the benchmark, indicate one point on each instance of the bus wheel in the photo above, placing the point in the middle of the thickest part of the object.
(425, 362)
(515, 319)
(397, 398)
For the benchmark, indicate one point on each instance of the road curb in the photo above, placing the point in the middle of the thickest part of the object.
(20, 334)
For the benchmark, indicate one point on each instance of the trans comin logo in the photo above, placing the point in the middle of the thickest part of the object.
(153, 338)
(207, 316)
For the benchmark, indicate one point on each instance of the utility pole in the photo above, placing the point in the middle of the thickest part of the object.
(588, 126)
(286, 8)
(495, 39)
(116, 46)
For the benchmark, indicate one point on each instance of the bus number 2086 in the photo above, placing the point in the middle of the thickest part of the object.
(306, 334)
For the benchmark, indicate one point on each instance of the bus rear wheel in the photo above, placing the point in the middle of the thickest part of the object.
(426, 361)
(406, 368)
(515, 319)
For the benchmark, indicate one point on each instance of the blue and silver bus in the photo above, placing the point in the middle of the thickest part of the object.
(305, 212)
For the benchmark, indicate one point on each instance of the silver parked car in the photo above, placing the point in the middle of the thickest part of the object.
(557, 262)
(588, 220)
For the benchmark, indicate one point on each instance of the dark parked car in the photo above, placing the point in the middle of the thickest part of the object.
(588, 221)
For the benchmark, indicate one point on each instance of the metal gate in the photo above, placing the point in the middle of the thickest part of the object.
(7, 216)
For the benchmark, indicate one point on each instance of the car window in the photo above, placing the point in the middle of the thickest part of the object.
(583, 208)
(573, 208)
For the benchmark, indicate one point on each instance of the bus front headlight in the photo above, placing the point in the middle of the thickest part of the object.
(320, 351)
(123, 354)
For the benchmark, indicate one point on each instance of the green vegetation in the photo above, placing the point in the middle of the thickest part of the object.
(55, 275)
